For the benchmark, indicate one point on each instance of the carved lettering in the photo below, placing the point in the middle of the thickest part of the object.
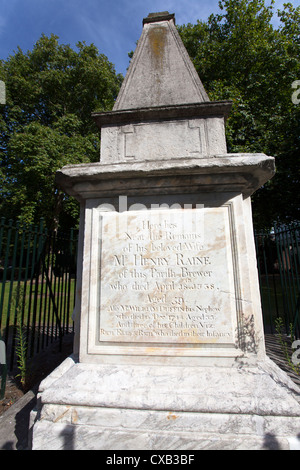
(181, 259)
(162, 282)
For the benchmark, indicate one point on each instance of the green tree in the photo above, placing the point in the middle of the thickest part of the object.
(46, 123)
(240, 56)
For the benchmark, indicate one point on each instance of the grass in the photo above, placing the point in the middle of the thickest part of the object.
(32, 323)
(37, 300)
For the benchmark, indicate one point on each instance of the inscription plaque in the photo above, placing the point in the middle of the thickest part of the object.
(166, 276)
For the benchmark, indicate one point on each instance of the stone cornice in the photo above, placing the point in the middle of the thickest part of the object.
(157, 113)
(242, 173)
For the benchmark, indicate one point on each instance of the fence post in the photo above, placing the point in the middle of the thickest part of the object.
(4, 368)
(6, 259)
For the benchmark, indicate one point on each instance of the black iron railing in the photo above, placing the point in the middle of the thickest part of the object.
(37, 286)
(278, 260)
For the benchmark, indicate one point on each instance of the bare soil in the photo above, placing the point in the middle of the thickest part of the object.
(38, 368)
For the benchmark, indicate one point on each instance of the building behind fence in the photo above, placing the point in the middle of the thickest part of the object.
(38, 283)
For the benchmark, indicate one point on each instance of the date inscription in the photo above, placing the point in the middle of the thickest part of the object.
(167, 277)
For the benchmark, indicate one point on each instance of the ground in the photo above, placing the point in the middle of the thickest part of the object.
(50, 358)
(38, 369)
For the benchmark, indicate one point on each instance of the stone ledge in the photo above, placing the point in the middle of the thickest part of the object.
(187, 111)
(243, 173)
(58, 436)
(159, 16)
(262, 390)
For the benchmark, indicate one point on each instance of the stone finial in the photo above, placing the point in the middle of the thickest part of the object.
(161, 72)
(160, 16)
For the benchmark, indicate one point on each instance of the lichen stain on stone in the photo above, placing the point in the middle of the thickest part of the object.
(158, 42)
(171, 416)
(74, 417)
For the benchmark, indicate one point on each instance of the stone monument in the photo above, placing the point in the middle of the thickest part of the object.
(169, 349)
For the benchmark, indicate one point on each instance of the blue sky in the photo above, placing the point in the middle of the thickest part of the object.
(113, 26)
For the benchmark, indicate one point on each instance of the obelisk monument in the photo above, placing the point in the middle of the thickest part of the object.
(169, 350)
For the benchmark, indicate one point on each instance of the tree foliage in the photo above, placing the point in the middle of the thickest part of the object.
(241, 56)
(46, 123)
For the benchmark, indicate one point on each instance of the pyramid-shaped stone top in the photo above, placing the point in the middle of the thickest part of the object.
(161, 72)
(164, 132)
(162, 111)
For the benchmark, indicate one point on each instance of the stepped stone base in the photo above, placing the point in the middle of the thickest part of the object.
(94, 407)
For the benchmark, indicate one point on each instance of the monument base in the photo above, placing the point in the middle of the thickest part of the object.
(130, 407)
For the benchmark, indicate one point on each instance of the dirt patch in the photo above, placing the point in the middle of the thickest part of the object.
(12, 394)
(37, 369)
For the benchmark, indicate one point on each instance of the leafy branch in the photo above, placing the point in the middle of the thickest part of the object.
(21, 341)
(284, 343)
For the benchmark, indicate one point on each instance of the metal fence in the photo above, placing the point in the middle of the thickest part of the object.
(37, 287)
(278, 261)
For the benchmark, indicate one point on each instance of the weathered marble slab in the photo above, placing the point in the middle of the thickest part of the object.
(88, 406)
(167, 277)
